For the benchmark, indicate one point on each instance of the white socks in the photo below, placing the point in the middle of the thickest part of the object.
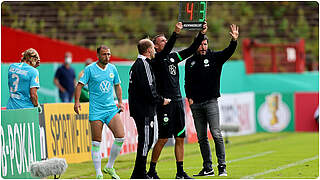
(115, 150)
(96, 156)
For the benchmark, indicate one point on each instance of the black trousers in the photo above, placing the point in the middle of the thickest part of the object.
(145, 128)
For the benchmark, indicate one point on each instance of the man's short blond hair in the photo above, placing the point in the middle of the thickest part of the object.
(143, 45)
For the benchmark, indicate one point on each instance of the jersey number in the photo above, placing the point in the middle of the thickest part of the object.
(15, 83)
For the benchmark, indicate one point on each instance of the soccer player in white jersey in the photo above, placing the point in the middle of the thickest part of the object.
(23, 81)
(101, 77)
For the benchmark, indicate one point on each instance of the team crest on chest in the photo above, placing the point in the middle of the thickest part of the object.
(111, 75)
(206, 63)
(171, 59)
(172, 69)
(192, 63)
(105, 86)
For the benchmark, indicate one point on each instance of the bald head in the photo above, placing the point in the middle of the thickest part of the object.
(146, 48)
(144, 45)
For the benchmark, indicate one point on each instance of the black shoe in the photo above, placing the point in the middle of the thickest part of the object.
(143, 176)
(205, 172)
(222, 170)
(147, 177)
(153, 175)
(184, 175)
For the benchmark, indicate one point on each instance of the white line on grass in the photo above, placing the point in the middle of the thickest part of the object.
(249, 157)
(280, 168)
(243, 158)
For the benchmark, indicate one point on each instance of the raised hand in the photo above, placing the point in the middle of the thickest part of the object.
(234, 31)
(178, 27)
(205, 28)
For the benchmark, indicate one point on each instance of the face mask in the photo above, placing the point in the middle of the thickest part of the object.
(68, 60)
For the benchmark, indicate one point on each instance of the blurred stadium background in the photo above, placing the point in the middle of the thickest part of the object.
(265, 87)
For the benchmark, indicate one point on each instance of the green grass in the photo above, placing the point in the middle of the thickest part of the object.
(262, 155)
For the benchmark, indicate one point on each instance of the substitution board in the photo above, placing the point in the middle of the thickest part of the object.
(192, 14)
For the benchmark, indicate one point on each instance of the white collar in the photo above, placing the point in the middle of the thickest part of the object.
(101, 68)
(142, 57)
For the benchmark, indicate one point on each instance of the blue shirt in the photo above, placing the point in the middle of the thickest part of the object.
(66, 78)
(101, 85)
(21, 77)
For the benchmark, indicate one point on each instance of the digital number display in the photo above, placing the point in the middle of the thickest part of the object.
(192, 14)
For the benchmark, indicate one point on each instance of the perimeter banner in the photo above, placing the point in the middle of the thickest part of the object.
(20, 142)
(274, 112)
(237, 109)
(68, 135)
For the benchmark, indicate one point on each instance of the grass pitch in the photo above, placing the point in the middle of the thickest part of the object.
(261, 155)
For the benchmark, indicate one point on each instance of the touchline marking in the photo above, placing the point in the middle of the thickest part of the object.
(243, 158)
(281, 167)
(249, 157)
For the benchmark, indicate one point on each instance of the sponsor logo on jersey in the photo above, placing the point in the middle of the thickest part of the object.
(105, 86)
(172, 69)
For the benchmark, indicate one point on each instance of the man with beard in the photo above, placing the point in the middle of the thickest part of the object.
(101, 78)
(202, 86)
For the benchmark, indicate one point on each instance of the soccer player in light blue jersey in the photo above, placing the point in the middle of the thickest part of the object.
(23, 81)
(102, 77)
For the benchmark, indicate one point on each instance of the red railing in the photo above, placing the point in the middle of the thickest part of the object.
(266, 57)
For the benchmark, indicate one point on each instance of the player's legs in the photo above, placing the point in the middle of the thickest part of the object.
(200, 123)
(214, 125)
(179, 149)
(96, 129)
(179, 130)
(116, 127)
(145, 140)
(165, 127)
(155, 156)
(158, 148)
(179, 134)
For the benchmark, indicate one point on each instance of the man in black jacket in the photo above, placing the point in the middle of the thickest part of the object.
(171, 118)
(143, 100)
(202, 86)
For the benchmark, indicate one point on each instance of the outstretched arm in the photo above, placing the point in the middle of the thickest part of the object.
(225, 54)
(195, 45)
(169, 45)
